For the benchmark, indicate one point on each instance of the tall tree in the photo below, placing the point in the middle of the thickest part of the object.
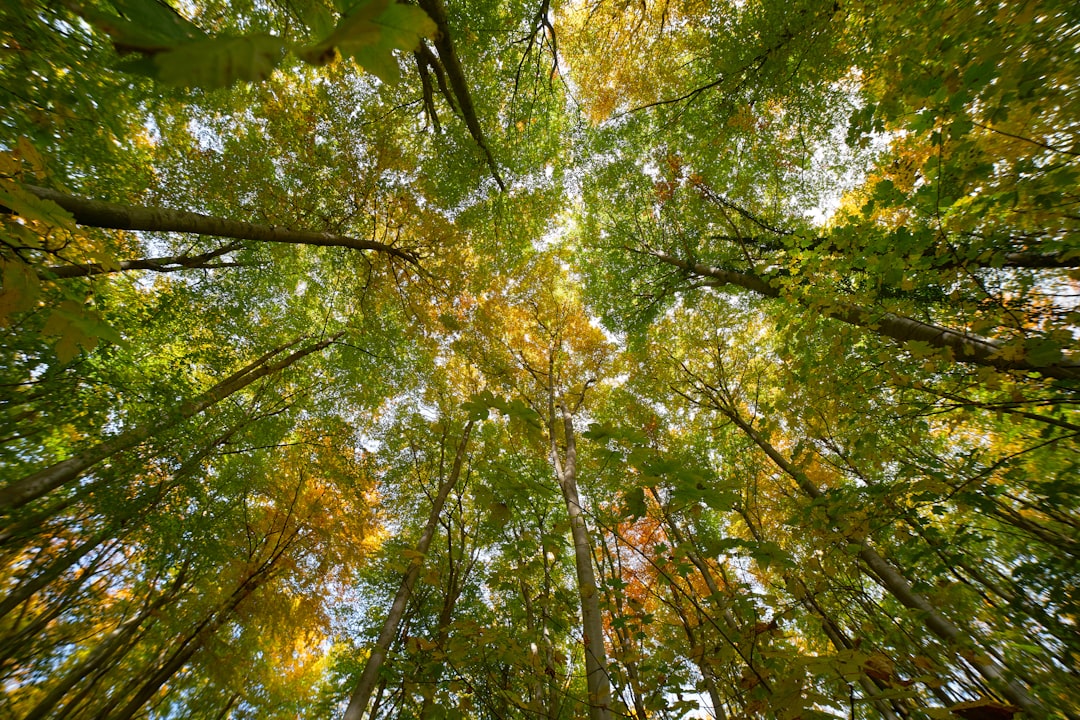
(758, 319)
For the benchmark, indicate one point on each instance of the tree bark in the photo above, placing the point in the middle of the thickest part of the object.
(895, 583)
(29, 488)
(101, 656)
(98, 213)
(30, 586)
(171, 263)
(591, 620)
(361, 696)
(456, 77)
(194, 641)
(965, 348)
(192, 644)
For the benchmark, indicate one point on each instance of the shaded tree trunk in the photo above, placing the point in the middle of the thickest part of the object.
(361, 696)
(100, 658)
(965, 348)
(98, 213)
(29, 488)
(171, 263)
(892, 580)
(591, 620)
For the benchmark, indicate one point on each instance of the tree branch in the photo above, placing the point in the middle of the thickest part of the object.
(98, 213)
(172, 263)
(456, 76)
(965, 348)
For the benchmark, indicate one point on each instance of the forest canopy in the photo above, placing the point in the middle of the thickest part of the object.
(539, 359)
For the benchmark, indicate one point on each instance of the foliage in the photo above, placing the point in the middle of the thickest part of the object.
(688, 358)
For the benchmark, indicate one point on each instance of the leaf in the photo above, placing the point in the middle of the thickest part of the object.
(403, 26)
(767, 553)
(317, 16)
(356, 28)
(597, 431)
(479, 405)
(20, 290)
(370, 33)
(984, 709)
(634, 500)
(31, 207)
(77, 326)
(144, 26)
(499, 513)
(219, 62)
(518, 410)
(879, 667)
(1042, 351)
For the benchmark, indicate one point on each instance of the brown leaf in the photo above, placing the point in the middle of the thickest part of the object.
(984, 709)
(879, 667)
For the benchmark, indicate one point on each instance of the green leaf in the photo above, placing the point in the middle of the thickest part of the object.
(499, 513)
(403, 26)
(476, 408)
(143, 26)
(356, 29)
(375, 59)
(634, 499)
(76, 326)
(597, 431)
(317, 16)
(370, 33)
(1042, 351)
(20, 288)
(31, 207)
(766, 553)
(219, 62)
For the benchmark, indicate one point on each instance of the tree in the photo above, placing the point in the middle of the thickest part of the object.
(538, 359)
(549, 357)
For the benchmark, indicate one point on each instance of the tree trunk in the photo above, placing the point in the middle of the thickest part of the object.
(965, 348)
(192, 644)
(26, 589)
(361, 696)
(698, 655)
(897, 585)
(458, 572)
(36, 485)
(203, 632)
(832, 629)
(100, 657)
(172, 263)
(591, 620)
(98, 213)
(456, 77)
(622, 636)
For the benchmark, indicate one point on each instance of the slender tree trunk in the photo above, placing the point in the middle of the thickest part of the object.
(29, 488)
(965, 347)
(101, 656)
(702, 567)
(459, 571)
(183, 651)
(625, 642)
(28, 587)
(19, 645)
(361, 696)
(171, 263)
(97, 213)
(698, 655)
(832, 629)
(897, 585)
(592, 623)
(192, 644)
